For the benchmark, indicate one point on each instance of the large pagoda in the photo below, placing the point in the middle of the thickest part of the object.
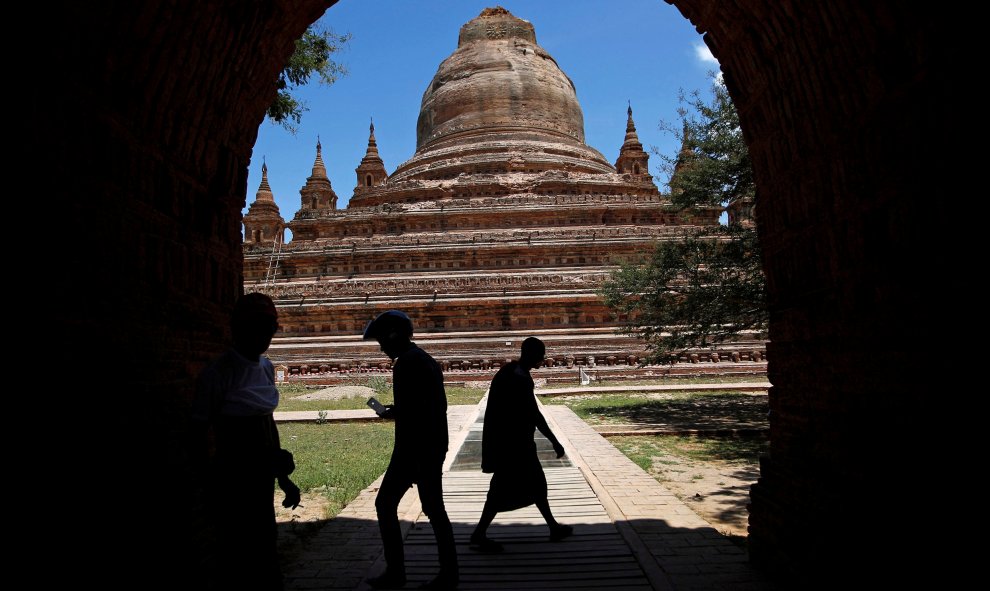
(502, 225)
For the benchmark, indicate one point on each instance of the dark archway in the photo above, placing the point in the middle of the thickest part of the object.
(144, 139)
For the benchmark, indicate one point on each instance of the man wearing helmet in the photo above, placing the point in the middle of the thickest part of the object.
(420, 413)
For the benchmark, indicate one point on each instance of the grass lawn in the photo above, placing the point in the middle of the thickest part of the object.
(735, 450)
(338, 460)
(673, 380)
(383, 392)
(684, 409)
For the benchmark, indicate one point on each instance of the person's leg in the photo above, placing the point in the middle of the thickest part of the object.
(479, 537)
(557, 531)
(544, 506)
(487, 516)
(431, 496)
(394, 486)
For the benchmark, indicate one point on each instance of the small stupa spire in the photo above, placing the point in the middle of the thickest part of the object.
(264, 193)
(632, 139)
(371, 171)
(632, 158)
(319, 169)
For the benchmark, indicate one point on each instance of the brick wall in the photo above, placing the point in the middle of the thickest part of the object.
(845, 106)
(143, 130)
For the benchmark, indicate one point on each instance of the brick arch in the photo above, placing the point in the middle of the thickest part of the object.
(148, 129)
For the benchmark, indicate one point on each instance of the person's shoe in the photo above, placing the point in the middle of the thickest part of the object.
(387, 580)
(560, 532)
(487, 545)
(443, 582)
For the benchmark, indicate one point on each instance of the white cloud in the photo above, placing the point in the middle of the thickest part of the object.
(704, 54)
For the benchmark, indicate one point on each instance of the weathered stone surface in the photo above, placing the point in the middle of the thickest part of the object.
(499, 87)
(499, 104)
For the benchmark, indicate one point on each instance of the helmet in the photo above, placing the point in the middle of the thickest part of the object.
(392, 321)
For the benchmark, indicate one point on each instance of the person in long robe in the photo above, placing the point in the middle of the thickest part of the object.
(508, 450)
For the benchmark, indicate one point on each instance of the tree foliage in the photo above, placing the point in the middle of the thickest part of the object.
(709, 286)
(311, 57)
(713, 166)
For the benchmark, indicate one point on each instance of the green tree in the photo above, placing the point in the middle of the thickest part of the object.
(713, 166)
(709, 286)
(312, 56)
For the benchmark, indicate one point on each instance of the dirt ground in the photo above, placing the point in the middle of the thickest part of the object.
(337, 393)
(717, 491)
(296, 526)
(312, 508)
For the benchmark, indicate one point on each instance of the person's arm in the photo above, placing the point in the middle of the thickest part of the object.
(293, 496)
(284, 465)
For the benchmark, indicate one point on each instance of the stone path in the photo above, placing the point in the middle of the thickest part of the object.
(630, 531)
(680, 549)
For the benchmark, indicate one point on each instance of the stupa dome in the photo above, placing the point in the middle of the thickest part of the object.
(499, 96)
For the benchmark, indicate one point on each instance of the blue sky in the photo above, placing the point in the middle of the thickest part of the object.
(643, 51)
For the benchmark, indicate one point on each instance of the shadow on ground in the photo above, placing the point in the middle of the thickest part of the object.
(709, 411)
(597, 556)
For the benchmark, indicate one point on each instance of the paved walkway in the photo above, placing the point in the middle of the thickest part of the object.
(630, 532)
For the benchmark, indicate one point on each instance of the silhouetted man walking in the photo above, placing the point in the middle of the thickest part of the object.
(420, 413)
(509, 451)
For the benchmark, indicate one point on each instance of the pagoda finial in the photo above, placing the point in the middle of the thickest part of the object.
(631, 137)
(262, 222)
(371, 171)
(319, 169)
(632, 158)
(372, 143)
(630, 125)
(264, 193)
